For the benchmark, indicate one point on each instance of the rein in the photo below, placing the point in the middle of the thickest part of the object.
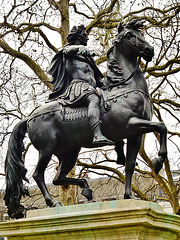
(128, 78)
(137, 64)
(133, 72)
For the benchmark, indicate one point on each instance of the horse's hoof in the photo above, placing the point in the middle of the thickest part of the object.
(91, 201)
(17, 212)
(87, 192)
(130, 196)
(157, 164)
(16, 215)
(57, 204)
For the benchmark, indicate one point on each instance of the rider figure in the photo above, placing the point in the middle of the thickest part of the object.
(75, 78)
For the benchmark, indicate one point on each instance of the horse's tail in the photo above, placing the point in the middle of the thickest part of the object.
(15, 171)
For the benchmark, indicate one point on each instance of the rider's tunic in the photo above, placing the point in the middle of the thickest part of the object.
(77, 92)
(72, 91)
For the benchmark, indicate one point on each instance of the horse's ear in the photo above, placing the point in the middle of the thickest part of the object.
(120, 27)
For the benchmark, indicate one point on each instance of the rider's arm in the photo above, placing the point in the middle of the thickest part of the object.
(72, 50)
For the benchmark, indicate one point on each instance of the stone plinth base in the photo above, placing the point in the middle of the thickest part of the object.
(122, 219)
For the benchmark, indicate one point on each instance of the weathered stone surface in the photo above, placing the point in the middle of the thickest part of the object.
(121, 219)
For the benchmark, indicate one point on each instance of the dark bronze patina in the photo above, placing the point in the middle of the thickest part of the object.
(61, 126)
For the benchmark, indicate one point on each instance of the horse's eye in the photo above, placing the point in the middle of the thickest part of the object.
(129, 35)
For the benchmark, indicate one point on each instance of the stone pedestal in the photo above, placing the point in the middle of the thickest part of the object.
(122, 219)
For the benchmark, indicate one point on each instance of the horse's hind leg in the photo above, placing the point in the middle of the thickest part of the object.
(66, 163)
(133, 145)
(44, 158)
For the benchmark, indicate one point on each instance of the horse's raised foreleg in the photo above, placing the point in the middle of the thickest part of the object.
(44, 158)
(133, 145)
(143, 126)
(66, 163)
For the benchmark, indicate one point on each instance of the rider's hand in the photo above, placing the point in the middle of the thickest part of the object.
(84, 51)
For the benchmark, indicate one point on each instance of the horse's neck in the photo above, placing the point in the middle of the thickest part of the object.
(128, 65)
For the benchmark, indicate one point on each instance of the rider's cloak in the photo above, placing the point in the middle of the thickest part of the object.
(60, 78)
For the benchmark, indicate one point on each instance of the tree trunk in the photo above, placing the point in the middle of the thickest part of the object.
(67, 194)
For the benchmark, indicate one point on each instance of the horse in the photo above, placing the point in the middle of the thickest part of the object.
(63, 130)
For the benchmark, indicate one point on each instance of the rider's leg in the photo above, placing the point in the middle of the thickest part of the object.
(94, 119)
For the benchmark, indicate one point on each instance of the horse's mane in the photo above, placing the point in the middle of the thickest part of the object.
(134, 23)
(114, 73)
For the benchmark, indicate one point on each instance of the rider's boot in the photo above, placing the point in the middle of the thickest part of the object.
(98, 138)
(95, 123)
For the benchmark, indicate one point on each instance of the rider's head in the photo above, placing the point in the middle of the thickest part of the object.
(78, 34)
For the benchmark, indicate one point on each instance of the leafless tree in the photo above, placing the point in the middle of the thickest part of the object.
(32, 32)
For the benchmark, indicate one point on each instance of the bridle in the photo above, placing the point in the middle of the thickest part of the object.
(135, 47)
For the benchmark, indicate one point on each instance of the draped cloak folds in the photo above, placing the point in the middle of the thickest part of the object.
(62, 81)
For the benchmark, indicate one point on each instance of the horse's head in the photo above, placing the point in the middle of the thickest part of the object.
(131, 42)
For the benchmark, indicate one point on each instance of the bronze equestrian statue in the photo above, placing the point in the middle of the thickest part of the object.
(61, 129)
